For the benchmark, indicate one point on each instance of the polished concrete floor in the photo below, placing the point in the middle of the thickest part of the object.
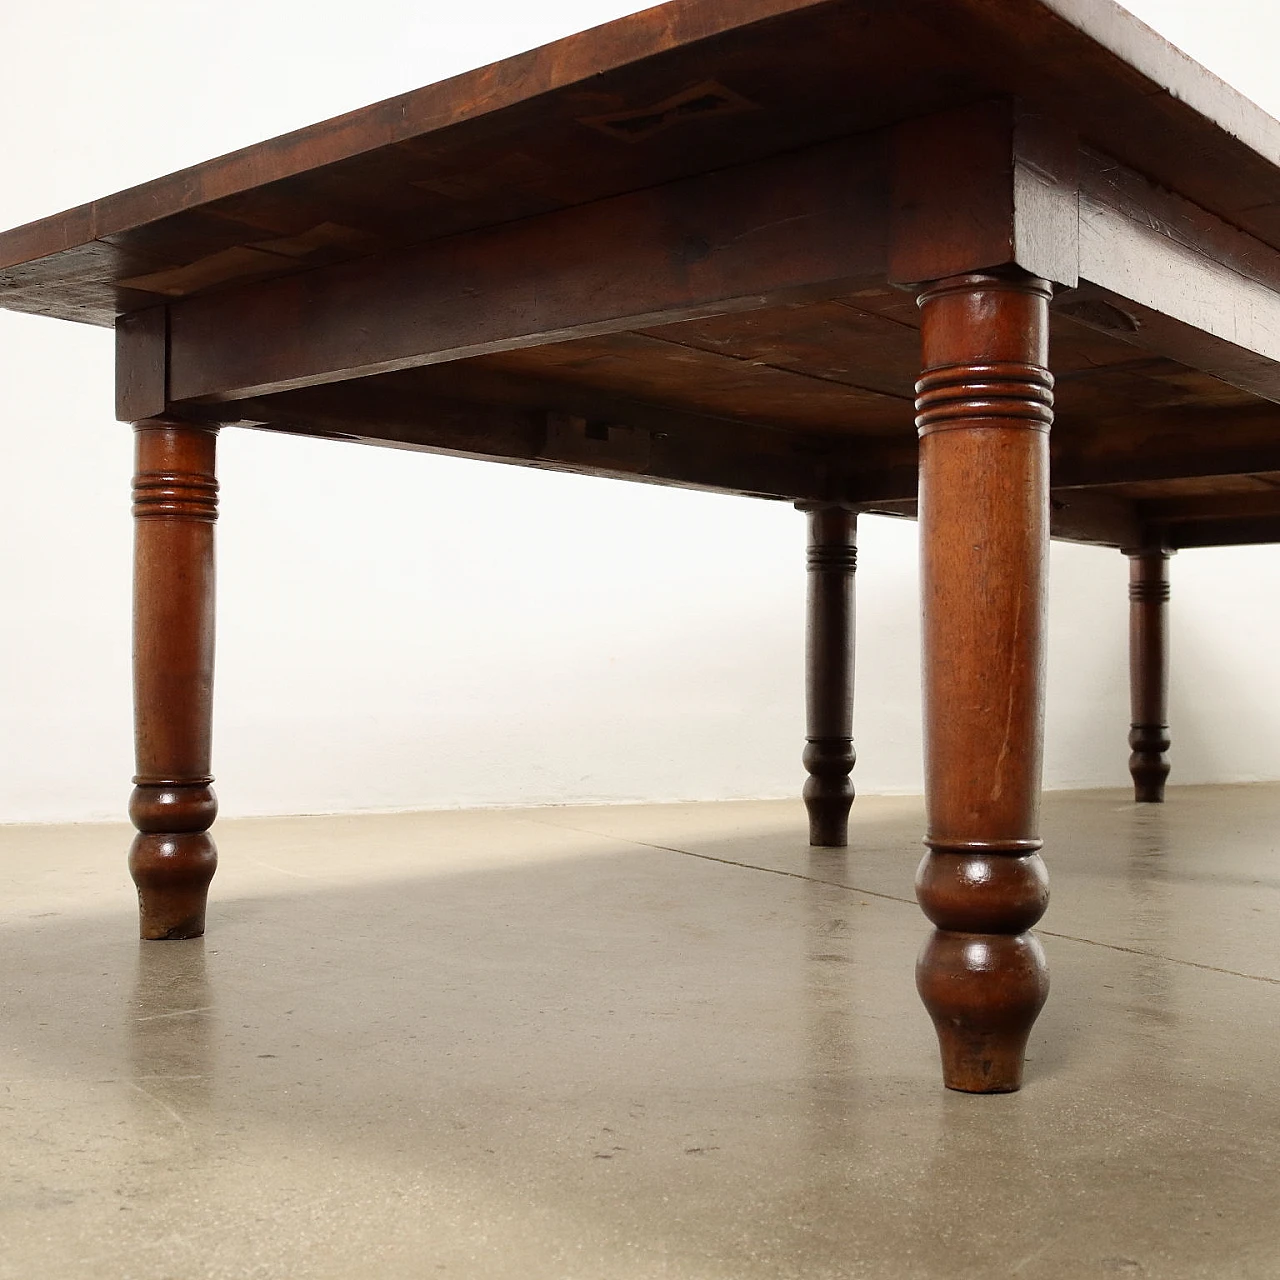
(652, 1041)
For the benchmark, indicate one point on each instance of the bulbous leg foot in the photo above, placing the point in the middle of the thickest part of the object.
(172, 873)
(828, 790)
(983, 993)
(1149, 762)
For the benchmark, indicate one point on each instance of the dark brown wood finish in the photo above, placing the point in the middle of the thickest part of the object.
(802, 224)
(672, 91)
(829, 643)
(1125, 413)
(175, 504)
(990, 183)
(984, 410)
(685, 248)
(1224, 533)
(1149, 740)
(828, 222)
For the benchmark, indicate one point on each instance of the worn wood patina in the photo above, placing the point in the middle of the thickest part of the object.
(1012, 266)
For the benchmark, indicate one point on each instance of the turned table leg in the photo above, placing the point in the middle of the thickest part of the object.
(985, 404)
(175, 504)
(1149, 672)
(828, 750)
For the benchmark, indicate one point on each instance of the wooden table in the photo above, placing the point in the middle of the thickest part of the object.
(714, 245)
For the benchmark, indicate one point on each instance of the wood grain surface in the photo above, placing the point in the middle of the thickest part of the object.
(985, 405)
(666, 226)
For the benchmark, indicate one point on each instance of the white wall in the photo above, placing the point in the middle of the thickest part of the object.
(399, 630)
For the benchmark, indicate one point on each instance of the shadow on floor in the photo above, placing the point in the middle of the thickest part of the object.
(607, 1058)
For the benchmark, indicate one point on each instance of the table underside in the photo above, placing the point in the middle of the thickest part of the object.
(805, 400)
(678, 151)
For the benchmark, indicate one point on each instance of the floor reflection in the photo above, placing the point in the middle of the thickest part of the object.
(171, 1030)
(830, 993)
(1150, 996)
